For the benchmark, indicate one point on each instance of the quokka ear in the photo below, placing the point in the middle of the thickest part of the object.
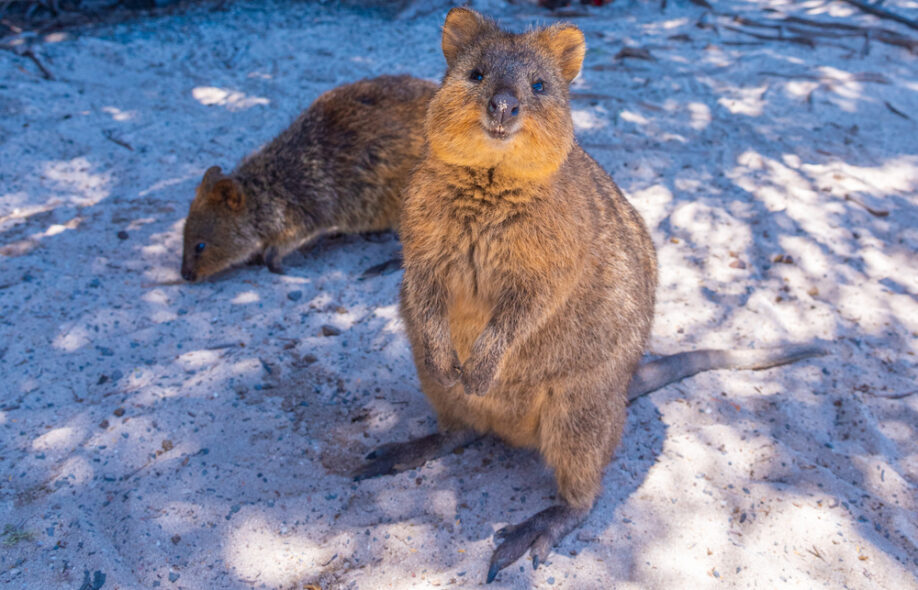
(213, 174)
(462, 26)
(228, 192)
(567, 44)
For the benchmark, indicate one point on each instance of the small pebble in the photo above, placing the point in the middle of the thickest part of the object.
(295, 295)
(167, 445)
(175, 539)
(118, 412)
(123, 235)
(328, 330)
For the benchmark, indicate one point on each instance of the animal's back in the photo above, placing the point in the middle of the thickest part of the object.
(353, 150)
(372, 139)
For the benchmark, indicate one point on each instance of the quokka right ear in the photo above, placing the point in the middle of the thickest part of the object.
(462, 26)
(213, 174)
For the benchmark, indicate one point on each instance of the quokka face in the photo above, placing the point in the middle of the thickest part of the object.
(504, 99)
(217, 231)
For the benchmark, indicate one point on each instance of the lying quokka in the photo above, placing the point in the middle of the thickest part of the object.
(529, 281)
(340, 167)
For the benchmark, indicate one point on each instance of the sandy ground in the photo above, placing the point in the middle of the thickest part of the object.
(168, 435)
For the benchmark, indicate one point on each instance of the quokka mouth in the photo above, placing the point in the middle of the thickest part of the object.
(500, 132)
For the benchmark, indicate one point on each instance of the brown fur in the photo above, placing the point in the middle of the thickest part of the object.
(341, 166)
(528, 276)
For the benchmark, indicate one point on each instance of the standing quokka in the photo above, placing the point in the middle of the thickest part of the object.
(340, 167)
(529, 281)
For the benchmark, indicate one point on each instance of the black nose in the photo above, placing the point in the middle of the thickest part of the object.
(503, 107)
(188, 274)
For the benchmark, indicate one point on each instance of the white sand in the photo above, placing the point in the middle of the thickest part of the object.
(227, 468)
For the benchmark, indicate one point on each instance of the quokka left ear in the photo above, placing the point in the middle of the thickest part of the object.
(567, 44)
(461, 28)
(213, 174)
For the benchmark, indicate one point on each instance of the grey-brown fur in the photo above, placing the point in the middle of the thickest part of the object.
(341, 166)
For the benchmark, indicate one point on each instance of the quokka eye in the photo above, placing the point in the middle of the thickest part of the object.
(476, 76)
(199, 247)
(538, 87)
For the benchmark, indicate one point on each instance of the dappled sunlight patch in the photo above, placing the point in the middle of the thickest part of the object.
(15, 206)
(156, 296)
(72, 339)
(245, 298)
(585, 120)
(119, 115)
(701, 223)
(247, 366)
(155, 251)
(163, 316)
(784, 188)
(161, 258)
(63, 438)
(883, 482)
(664, 27)
(902, 432)
(158, 186)
(294, 280)
(716, 56)
(76, 180)
(809, 258)
(233, 100)
(800, 89)
(197, 359)
(868, 305)
(653, 203)
(259, 553)
(745, 101)
(75, 470)
(22, 247)
(387, 419)
(784, 322)
(897, 174)
(633, 117)
(59, 228)
(728, 530)
(392, 316)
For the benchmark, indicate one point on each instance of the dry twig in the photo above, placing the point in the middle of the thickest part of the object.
(29, 54)
(108, 135)
(880, 12)
(895, 110)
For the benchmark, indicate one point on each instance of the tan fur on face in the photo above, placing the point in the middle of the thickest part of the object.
(454, 122)
(217, 219)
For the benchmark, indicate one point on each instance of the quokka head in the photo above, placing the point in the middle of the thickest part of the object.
(504, 99)
(218, 230)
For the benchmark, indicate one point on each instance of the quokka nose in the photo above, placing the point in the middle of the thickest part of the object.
(188, 274)
(503, 107)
